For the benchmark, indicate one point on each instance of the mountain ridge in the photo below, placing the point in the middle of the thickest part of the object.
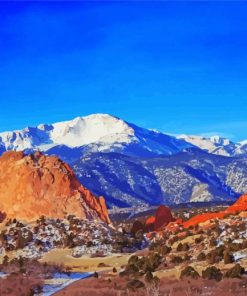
(216, 145)
(103, 132)
(93, 133)
(189, 176)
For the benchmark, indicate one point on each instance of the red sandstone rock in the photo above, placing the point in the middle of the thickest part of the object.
(36, 185)
(163, 217)
(149, 224)
(203, 218)
(238, 206)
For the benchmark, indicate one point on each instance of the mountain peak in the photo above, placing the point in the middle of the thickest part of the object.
(98, 132)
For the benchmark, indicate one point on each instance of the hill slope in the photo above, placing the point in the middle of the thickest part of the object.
(190, 176)
(36, 185)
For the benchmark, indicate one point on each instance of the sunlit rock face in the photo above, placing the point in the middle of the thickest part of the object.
(36, 185)
(239, 206)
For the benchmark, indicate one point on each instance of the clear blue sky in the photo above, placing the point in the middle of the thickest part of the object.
(177, 67)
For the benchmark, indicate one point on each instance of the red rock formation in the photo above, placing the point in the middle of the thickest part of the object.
(174, 226)
(163, 217)
(238, 206)
(203, 218)
(149, 224)
(36, 185)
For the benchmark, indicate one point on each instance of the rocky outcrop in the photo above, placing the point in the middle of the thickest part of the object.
(163, 216)
(239, 206)
(38, 185)
(149, 224)
(203, 218)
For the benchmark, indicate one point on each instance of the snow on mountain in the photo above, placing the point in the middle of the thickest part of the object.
(189, 176)
(216, 145)
(242, 149)
(106, 133)
(97, 133)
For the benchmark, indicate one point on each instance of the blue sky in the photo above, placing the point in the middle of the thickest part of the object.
(179, 67)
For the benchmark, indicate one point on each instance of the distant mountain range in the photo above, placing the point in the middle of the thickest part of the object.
(106, 133)
(217, 145)
(189, 176)
(93, 133)
(131, 166)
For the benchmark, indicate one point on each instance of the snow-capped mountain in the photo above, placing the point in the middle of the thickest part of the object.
(216, 145)
(93, 133)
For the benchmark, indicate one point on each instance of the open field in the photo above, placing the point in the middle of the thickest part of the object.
(85, 263)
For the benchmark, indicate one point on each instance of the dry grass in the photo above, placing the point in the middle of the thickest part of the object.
(117, 287)
(19, 284)
(85, 263)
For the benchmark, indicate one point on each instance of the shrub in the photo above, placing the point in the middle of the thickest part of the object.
(242, 227)
(212, 273)
(220, 251)
(137, 226)
(182, 247)
(154, 260)
(201, 257)
(176, 259)
(133, 259)
(185, 247)
(216, 255)
(228, 258)
(187, 257)
(235, 272)
(149, 263)
(102, 264)
(200, 231)
(213, 242)
(148, 276)
(189, 271)
(131, 268)
(198, 240)
(234, 247)
(139, 234)
(5, 260)
(135, 284)
(212, 257)
(179, 247)
(164, 250)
